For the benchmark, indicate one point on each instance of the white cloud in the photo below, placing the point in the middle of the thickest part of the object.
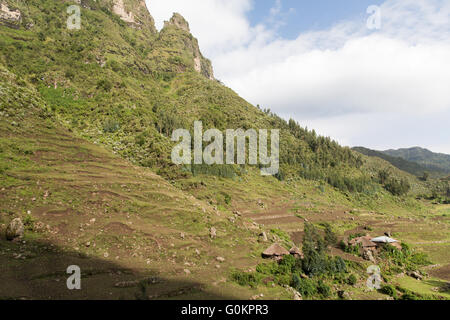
(372, 73)
(346, 73)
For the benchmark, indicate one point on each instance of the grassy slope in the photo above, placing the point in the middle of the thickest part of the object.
(148, 92)
(65, 182)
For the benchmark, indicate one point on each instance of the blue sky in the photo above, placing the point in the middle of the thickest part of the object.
(305, 15)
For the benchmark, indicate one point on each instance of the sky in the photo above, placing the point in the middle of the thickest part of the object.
(366, 73)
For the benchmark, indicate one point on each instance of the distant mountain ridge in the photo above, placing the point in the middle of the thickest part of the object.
(402, 164)
(431, 160)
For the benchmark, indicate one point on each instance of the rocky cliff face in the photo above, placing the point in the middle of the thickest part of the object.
(134, 12)
(178, 32)
(9, 16)
(172, 50)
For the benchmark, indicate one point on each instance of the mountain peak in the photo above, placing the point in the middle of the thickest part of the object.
(178, 21)
(177, 35)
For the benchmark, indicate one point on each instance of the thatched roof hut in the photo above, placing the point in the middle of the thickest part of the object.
(275, 251)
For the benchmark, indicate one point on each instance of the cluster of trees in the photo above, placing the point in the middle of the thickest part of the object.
(441, 192)
(326, 152)
(398, 187)
(309, 275)
(316, 261)
(224, 171)
(337, 178)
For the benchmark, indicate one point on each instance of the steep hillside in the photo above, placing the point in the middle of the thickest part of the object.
(128, 87)
(83, 205)
(86, 118)
(424, 157)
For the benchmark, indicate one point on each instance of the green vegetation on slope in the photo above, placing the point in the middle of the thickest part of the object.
(431, 160)
(129, 88)
(405, 165)
(126, 87)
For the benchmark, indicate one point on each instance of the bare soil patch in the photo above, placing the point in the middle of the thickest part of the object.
(118, 228)
(442, 273)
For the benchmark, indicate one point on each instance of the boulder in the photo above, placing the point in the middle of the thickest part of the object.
(213, 232)
(263, 237)
(368, 255)
(9, 17)
(15, 229)
(297, 296)
(344, 295)
(237, 213)
(415, 275)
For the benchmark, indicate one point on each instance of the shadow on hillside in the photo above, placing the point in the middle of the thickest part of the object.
(41, 275)
(442, 286)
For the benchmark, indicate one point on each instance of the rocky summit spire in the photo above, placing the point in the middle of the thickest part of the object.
(179, 21)
(177, 32)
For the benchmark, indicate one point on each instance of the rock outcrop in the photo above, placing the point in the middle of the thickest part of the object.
(178, 21)
(119, 9)
(135, 13)
(14, 230)
(189, 44)
(9, 17)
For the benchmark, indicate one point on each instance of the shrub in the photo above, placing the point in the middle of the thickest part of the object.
(70, 74)
(306, 287)
(140, 140)
(114, 65)
(398, 187)
(280, 176)
(111, 126)
(410, 296)
(246, 279)
(28, 222)
(323, 289)
(337, 265)
(267, 268)
(227, 198)
(420, 259)
(352, 280)
(384, 175)
(389, 290)
(330, 236)
(296, 281)
(288, 261)
(105, 85)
